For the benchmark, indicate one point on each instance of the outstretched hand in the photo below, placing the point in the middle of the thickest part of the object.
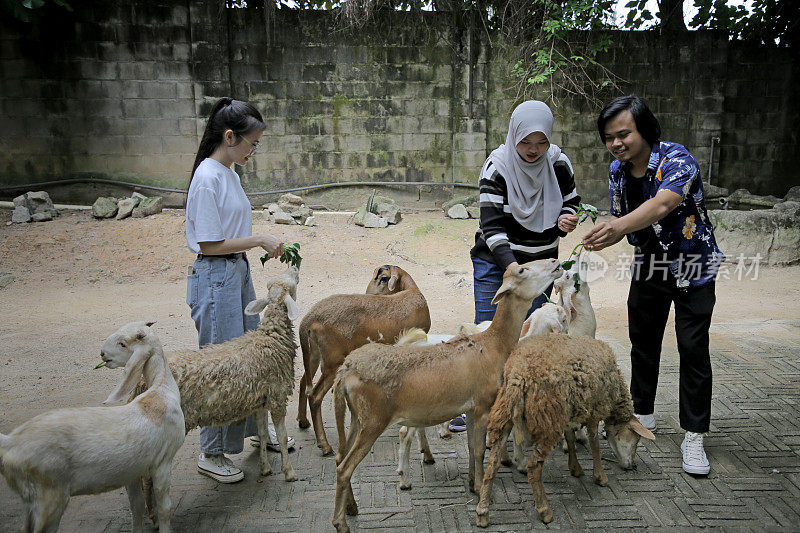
(602, 236)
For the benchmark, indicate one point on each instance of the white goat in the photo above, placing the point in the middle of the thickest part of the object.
(251, 374)
(553, 383)
(90, 450)
(422, 386)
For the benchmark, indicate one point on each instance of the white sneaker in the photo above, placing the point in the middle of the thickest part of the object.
(220, 468)
(694, 456)
(273, 445)
(648, 421)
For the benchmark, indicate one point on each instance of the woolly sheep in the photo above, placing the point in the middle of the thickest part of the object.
(552, 383)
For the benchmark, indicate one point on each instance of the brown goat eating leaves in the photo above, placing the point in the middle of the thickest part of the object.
(552, 383)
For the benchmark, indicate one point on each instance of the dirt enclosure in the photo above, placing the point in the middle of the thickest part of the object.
(77, 279)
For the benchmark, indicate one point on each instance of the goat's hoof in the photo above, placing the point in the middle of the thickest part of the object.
(290, 476)
(267, 472)
(341, 527)
(601, 480)
(326, 450)
(576, 472)
(403, 486)
(505, 462)
(546, 515)
(351, 509)
(482, 520)
(428, 460)
(304, 424)
(522, 470)
(338, 458)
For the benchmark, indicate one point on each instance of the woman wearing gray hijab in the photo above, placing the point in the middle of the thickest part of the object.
(528, 202)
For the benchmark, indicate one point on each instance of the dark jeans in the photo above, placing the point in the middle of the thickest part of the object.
(648, 309)
(487, 278)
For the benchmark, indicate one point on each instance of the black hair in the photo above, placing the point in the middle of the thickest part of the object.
(227, 114)
(646, 122)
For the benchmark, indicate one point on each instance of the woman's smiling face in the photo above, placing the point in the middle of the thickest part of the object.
(532, 147)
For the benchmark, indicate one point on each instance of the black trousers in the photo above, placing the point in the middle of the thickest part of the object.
(648, 308)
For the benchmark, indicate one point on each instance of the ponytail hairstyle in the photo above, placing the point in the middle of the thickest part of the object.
(227, 114)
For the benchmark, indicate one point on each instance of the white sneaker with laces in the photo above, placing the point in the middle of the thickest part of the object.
(219, 468)
(648, 421)
(694, 456)
(273, 440)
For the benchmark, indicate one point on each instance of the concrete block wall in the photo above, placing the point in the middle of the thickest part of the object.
(121, 91)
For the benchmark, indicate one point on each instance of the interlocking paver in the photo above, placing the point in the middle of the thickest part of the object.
(754, 448)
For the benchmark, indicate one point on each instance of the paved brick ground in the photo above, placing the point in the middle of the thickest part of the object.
(754, 447)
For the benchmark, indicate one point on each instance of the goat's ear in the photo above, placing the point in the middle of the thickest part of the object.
(637, 427)
(505, 288)
(291, 307)
(392, 282)
(148, 324)
(256, 306)
(526, 327)
(131, 377)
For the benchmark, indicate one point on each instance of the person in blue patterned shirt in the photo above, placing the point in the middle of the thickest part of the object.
(657, 201)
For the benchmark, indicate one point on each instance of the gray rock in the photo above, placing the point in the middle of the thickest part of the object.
(104, 207)
(469, 199)
(310, 221)
(772, 233)
(371, 220)
(138, 195)
(301, 213)
(36, 202)
(791, 207)
(474, 212)
(378, 199)
(125, 207)
(712, 191)
(149, 206)
(41, 217)
(793, 195)
(283, 218)
(6, 280)
(389, 211)
(273, 208)
(291, 199)
(360, 215)
(458, 211)
(20, 215)
(743, 197)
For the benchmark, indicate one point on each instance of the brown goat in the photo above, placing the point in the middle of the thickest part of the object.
(341, 323)
(419, 386)
(551, 383)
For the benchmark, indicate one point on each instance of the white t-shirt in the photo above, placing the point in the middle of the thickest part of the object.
(217, 207)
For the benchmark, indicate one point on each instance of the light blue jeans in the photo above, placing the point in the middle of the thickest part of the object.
(217, 292)
(487, 278)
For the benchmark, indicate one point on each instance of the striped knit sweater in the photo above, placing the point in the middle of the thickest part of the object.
(501, 239)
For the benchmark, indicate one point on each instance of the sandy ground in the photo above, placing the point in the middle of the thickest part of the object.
(77, 279)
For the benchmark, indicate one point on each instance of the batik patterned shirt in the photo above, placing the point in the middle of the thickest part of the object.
(685, 236)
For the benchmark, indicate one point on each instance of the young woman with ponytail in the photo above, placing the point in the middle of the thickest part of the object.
(219, 228)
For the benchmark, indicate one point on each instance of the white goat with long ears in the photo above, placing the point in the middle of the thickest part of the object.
(422, 386)
(90, 450)
(571, 291)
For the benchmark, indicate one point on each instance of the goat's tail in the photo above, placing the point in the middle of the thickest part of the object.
(410, 336)
(339, 406)
(500, 415)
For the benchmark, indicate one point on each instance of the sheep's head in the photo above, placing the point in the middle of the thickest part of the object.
(388, 279)
(131, 346)
(571, 282)
(549, 318)
(624, 438)
(119, 346)
(280, 288)
(529, 280)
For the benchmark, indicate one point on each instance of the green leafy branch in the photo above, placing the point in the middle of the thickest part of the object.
(290, 255)
(586, 211)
